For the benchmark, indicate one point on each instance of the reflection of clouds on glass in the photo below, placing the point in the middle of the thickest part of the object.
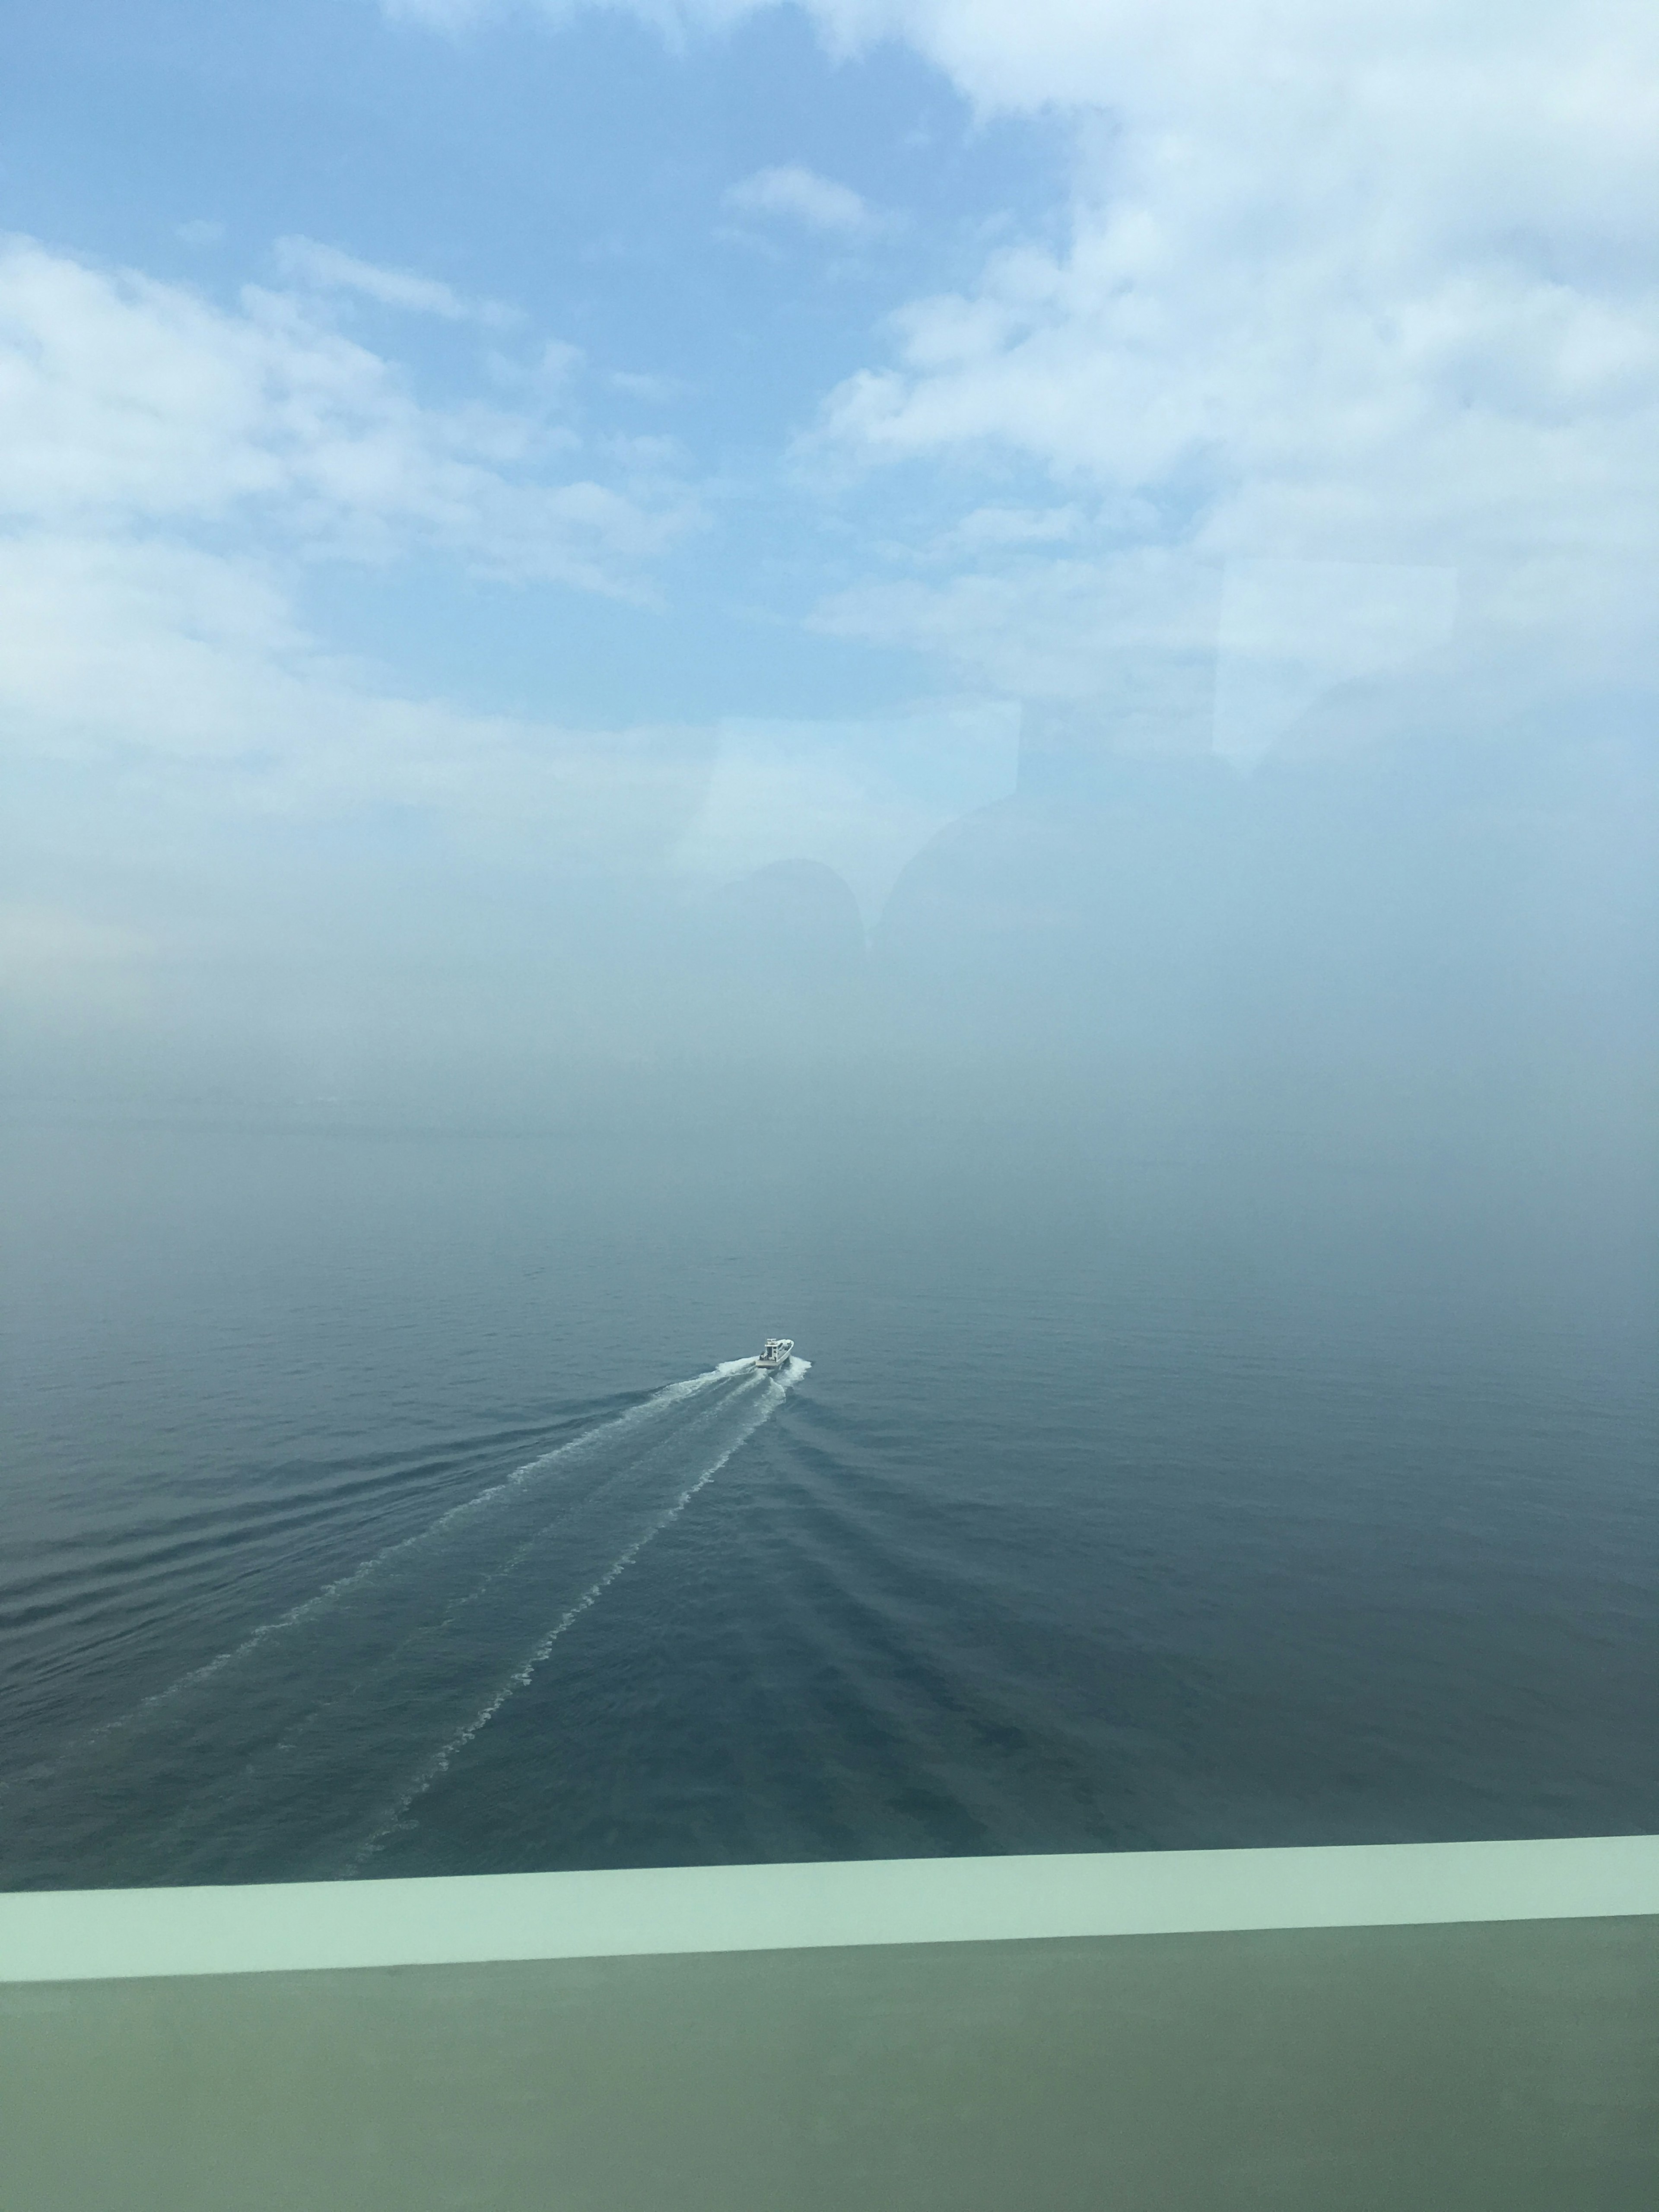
(860, 796)
(1293, 630)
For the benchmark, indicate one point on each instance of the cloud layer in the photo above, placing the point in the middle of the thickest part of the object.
(170, 468)
(128, 403)
(307, 263)
(1348, 283)
(1334, 362)
(1340, 285)
(802, 196)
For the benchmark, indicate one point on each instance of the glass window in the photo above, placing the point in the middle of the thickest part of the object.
(829, 933)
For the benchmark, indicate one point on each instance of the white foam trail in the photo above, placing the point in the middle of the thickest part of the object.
(671, 1394)
(538, 1658)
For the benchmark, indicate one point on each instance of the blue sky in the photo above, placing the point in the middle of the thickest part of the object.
(582, 178)
(480, 477)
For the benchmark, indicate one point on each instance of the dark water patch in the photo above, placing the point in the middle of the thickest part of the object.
(286, 1750)
(1116, 1510)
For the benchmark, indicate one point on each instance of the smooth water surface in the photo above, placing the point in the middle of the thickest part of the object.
(381, 1504)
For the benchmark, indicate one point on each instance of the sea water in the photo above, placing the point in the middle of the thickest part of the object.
(385, 1503)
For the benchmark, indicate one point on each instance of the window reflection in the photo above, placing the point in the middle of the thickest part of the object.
(973, 693)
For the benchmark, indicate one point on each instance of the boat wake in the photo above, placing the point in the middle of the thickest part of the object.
(521, 1675)
(293, 1754)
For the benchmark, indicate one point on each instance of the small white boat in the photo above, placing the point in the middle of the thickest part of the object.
(777, 1354)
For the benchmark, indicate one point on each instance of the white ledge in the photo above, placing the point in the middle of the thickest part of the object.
(104, 1935)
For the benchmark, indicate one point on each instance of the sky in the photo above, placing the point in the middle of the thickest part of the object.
(539, 537)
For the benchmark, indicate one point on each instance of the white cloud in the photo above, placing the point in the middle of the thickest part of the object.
(638, 384)
(1364, 283)
(165, 465)
(1136, 630)
(802, 196)
(1355, 287)
(986, 528)
(860, 796)
(437, 14)
(1306, 395)
(181, 750)
(558, 362)
(319, 268)
(127, 403)
(1292, 631)
(186, 679)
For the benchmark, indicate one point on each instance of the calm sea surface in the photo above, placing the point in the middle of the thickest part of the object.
(392, 1505)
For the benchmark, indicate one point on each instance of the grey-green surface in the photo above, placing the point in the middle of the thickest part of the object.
(95, 1935)
(1506, 2066)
